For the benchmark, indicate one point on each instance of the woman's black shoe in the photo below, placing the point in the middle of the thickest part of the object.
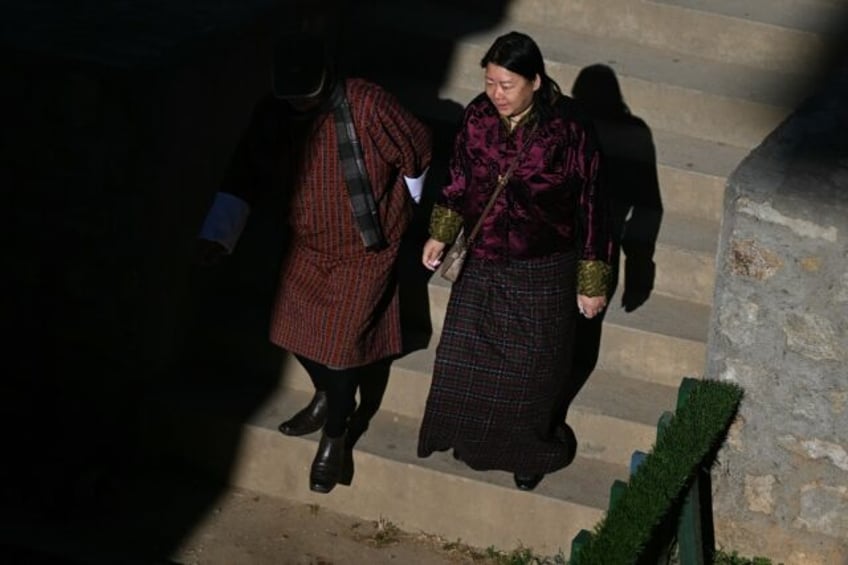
(565, 434)
(328, 467)
(527, 482)
(310, 419)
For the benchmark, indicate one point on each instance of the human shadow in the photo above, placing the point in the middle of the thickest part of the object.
(629, 178)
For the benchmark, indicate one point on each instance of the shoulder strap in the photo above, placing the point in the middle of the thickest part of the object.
(502, 180)
(356, 176)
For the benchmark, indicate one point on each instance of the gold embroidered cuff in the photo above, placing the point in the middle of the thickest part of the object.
(594, 278)
(444, 224)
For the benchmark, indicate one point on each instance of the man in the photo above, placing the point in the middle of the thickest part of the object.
(337, 304)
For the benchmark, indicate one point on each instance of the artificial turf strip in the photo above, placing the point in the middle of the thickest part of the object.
(697, 429)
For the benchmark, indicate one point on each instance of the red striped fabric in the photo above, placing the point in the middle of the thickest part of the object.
(338, 303)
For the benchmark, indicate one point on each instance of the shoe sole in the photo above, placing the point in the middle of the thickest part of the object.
(297, 433)
(323, 489)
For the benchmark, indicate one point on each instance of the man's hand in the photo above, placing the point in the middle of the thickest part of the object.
(432, 256)
(208, 253)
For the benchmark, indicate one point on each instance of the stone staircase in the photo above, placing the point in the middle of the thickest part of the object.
(710, 79)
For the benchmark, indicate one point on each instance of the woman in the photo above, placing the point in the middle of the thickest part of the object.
(541, 255)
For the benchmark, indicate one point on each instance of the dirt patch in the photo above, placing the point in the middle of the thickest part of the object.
(249, 528)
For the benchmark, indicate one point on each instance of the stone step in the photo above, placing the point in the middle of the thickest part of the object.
(390, 481)
(685, 258)
(693, 173)
(773, 34)
(612, 415)
(819, 17)
(678, 92)
(660, 342)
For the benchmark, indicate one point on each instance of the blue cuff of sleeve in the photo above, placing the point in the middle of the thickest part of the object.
(226, 220)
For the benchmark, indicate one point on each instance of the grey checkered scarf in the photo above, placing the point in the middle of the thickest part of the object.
(356, 176)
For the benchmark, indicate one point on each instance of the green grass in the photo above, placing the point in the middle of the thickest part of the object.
(387, 533)
(523, 556)
(723, 558)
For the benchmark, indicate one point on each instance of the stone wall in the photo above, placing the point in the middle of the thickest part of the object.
(780, 330)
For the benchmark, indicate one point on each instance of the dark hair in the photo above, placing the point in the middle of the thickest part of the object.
(302, 66)
(517, 52)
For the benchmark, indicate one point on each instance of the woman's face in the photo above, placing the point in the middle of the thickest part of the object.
(510, 92)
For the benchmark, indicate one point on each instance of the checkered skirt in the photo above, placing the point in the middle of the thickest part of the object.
(501, 364)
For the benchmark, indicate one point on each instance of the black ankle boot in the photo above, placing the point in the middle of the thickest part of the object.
(527, 482)
(328, 467)
(310, 419)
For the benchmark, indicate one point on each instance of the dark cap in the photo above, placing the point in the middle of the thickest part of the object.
(300, 66)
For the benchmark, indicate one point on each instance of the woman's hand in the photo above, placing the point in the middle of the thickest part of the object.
(432, 256)
(591, 306)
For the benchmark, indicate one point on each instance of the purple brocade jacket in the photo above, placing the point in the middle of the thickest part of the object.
(552, 202)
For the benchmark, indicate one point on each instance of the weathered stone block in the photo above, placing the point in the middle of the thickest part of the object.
(823, 509)
(842, 289)
(751, 260)
(765, 212)
(838, 400)
(813, 336)
(759, 493)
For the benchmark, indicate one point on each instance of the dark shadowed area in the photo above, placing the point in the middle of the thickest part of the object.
(119, 122)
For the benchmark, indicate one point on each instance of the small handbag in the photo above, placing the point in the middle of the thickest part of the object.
(455, 258)
(453, 261)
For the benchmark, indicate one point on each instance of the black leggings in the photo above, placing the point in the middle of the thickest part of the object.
(340, 386)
